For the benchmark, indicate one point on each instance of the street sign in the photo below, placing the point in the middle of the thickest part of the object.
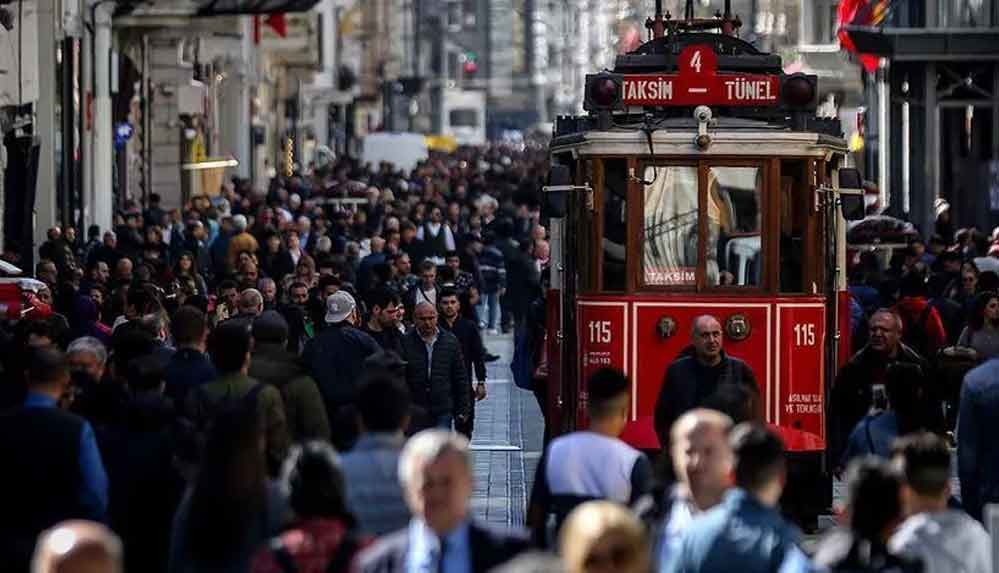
(699, 83)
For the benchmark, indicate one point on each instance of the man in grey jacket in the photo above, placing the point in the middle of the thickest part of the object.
(946, 540)
(435, 369)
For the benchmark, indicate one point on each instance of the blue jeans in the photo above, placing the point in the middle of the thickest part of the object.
(444, 422)
(489, 310)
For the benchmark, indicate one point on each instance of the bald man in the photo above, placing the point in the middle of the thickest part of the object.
(704, 375)
(702, 461)
(78, 547)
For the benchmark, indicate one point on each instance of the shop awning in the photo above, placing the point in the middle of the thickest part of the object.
(926, 44)
(231, 7)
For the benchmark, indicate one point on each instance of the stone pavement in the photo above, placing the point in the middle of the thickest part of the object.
(506, 443)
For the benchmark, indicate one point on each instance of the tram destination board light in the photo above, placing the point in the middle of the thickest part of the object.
(603, 92)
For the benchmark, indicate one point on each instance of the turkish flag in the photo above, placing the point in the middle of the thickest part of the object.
(860, 13)
(277, 23)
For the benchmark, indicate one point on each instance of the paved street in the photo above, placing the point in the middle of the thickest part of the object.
(506, 444)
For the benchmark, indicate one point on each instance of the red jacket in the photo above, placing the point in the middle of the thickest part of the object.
(911, 310)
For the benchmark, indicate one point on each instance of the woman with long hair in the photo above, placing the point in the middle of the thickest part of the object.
(602, 536)
(184, 268)
(982, 332)
(322, 539)
(231, 508)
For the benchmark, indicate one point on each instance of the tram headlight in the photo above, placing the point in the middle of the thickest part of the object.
(799, 92)
(603, 92)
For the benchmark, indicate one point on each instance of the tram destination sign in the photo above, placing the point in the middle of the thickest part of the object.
(699, 83)
(675, 90)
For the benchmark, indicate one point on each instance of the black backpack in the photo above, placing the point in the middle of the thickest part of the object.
(195, 428)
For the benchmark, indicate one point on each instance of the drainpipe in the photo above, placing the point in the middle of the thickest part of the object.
(103, 185)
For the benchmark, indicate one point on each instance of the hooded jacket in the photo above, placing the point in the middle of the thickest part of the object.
(931, 326)
(303, 403)
(947, 542)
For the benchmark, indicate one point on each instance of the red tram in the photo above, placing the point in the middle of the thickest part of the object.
(700, 181)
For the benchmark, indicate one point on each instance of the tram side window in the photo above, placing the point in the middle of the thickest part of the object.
(615, 218)
(793, 213)
(734, 254)
(670, 223)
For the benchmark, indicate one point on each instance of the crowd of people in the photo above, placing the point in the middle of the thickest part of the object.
(286, 381)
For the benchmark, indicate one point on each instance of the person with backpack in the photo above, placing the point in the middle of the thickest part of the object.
(874, 509)
(229, 348)
(922, 328)
(231, 507)
(323, 538)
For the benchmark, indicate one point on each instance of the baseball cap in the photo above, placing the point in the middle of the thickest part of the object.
(339, 306)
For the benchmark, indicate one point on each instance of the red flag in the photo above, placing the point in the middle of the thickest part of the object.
(278, 24)
(861, 13)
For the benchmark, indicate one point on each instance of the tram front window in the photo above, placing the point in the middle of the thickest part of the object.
(734, 254)
(670, 221)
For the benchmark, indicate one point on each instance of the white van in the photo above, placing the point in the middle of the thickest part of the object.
(465, 116)
(403, 150)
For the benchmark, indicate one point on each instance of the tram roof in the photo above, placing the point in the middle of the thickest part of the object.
(675, 137)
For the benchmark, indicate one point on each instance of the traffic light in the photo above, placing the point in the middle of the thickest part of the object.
(469, 64)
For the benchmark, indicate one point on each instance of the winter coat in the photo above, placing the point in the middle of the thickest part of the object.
(303, 403)
(335, 358)
(978, 423)
(493, 268)
(445, 391)
(853, 396)
(684, 388)
(947, 542)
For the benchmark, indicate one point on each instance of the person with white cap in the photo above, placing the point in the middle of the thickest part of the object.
(944, 226)
(241, 241)
(335, 358)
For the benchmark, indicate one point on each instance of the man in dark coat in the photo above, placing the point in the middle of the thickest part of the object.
(472, 349)
(860, 384)
(435, 369)
(702, 377)
(55, 471)
(335, 358)
(386, 316)
(436, 472)
(272, 363)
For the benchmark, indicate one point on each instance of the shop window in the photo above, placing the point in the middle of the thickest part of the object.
(670, 214)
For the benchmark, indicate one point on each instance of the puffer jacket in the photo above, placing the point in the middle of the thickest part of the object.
(303, 403)
(947, 541)
(446, 390)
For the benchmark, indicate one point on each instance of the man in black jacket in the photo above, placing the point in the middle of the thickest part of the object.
(467, 333)
(706, 377)
(435, 369)
(336, 360)
(435, 471)
(861, 383)
(386, 316)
